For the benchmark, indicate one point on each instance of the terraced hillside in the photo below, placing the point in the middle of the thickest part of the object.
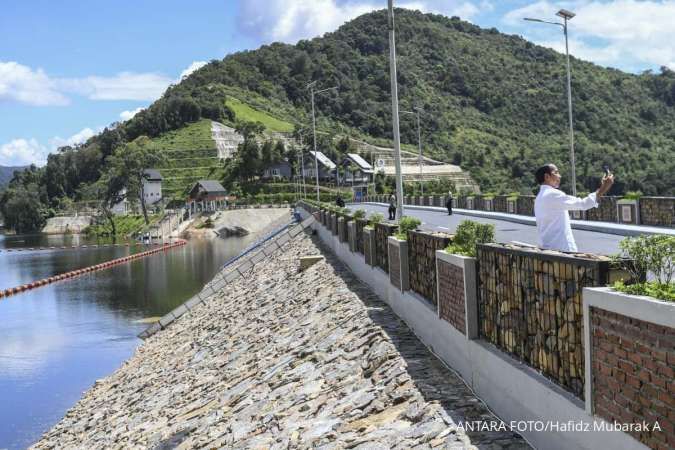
(191, 156)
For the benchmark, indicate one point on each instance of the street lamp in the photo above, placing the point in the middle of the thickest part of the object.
(310, 86)
(566, 15)
(417, 112)
(394, 111)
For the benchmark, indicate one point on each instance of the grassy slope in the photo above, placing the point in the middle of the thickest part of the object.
(191, 156)
(243, 111)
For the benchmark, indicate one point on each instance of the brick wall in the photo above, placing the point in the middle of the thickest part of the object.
(633, 374)
(659, 211)
(451, 295)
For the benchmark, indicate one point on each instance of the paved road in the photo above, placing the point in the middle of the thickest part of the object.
(587, 241)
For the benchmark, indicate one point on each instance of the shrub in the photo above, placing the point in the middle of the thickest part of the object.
(467, 235)
(653, 255)
(374, 219)
(360, 214)
(407, 224)
(632, 195)
(513, 196)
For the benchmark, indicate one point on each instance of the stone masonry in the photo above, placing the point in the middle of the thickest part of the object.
(633, 374)
(280, 358)
(451, 295)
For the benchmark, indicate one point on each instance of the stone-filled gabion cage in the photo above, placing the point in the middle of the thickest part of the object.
(530, 306)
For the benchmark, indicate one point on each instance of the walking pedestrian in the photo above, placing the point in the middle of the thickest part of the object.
(392, 207)
(552, 205)
(448, 203)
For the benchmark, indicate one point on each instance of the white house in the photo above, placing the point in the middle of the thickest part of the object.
(152, 192)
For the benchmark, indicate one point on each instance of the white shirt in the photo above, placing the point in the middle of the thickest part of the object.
(553, 220)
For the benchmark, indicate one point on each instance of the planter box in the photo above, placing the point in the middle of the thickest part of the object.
(630, 359)
(430, 201)
(351, 233)
(398, 263)
(628, 211)
(469, 203)
(369, 246)
(512, 206)
(488, 204)
(457, 292)
(342, 229)
(334, 223)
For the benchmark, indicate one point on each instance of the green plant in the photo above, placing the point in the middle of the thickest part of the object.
(489, 196)
(513, 196)
(374, 219)
(407, 224)
(468, 234)
(632, 195)
(653, 255)
(360, 214)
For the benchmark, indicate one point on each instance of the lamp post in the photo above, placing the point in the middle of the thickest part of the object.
(394, 111)
(566, 15)
(419, 142)
(310, 86)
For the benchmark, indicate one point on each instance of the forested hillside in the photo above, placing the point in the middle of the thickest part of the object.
(494, 104)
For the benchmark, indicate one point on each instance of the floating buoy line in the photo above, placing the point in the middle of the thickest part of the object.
(78, 272)
(76, 247)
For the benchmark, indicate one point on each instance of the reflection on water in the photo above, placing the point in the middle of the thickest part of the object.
(55, 341)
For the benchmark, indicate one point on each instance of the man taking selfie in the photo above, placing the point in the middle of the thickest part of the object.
(552, 205)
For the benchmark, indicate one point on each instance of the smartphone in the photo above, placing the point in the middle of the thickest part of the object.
(606, 169)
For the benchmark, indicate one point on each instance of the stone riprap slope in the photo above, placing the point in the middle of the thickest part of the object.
(280, 359)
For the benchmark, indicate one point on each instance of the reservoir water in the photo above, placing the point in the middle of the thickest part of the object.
(57, 340)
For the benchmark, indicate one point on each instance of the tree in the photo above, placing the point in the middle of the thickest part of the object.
(109, 190)
(130, 162)
(22, 209)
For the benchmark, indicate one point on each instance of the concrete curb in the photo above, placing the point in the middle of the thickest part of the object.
(599, 227)
(234, 271)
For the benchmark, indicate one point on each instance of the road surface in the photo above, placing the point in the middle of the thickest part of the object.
(587, 241)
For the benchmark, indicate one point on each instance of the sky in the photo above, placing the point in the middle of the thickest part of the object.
(69, 68)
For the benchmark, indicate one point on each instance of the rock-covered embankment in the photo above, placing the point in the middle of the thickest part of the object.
(280, 359)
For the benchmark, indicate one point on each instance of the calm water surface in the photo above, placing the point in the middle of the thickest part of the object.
(57, 340)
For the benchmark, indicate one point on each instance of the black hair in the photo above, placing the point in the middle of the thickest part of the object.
(541, 172)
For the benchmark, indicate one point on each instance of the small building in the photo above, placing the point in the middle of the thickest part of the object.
(152, 186)
(326, 166)
(282, 169)
(152, 193)
(205, 195)
(357, 171)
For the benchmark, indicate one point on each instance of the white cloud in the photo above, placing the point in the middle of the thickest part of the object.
(123, 86)
(619, 33)
(22, 84)
(291, 20)
(196, 65)
(78, 138)
(22, 152)
(126, 115)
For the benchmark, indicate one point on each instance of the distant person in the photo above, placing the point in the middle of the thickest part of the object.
(552, 205)
(339, 202)
(392, 207)
(448, 203)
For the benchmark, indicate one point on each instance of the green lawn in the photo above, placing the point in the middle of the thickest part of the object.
(242, 111)
(194, 136)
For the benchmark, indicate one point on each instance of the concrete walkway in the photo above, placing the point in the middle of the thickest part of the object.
(599, 227)
(593, 238)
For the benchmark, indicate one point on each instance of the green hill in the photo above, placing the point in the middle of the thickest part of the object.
(495, 104)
